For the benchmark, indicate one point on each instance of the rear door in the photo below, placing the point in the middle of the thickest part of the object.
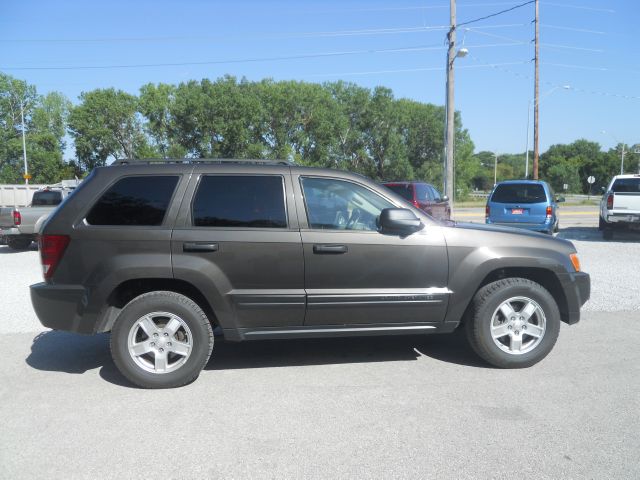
(238, 241)
(355, 275)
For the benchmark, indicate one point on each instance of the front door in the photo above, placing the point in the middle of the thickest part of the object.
(355, 275)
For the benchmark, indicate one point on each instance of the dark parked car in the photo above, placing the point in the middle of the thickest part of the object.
(424, 196)
(529, 204)
(162, 255)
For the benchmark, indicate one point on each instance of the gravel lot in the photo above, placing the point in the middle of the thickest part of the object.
(400, 407)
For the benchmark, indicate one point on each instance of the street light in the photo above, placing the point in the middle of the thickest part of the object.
(621, 153)
(565, 87)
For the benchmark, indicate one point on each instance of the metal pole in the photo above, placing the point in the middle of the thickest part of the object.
(495, 169)
(526, 155)
(24, 147)
(450, 111)
(622, 161)
(536, 90)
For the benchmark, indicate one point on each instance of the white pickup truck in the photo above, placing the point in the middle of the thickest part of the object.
(620, 205)
(18, 226)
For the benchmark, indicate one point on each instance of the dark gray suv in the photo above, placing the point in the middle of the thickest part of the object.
(162, 254)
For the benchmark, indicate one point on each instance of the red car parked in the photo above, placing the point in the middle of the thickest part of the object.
(424, 196)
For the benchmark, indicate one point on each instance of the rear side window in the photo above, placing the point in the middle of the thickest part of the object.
(519, 193)
(134, 201)
(45, 198)
(405, 191)
(626, 185)
(240, 201)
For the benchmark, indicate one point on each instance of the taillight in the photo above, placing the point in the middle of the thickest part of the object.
(17, 218)
(610, 202)
(487, 211)
(52, 248)
(549, 211)
(416, 203)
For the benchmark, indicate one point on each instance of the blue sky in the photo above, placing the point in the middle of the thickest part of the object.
(588, 45)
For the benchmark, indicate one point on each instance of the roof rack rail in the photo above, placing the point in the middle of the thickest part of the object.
(148, 161)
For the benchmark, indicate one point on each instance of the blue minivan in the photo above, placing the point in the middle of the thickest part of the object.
(529, 204)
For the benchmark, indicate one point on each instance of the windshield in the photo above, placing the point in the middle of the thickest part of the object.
(519, 193)
(46, 198)
(626, 185)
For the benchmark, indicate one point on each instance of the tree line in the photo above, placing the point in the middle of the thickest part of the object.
(336, 125)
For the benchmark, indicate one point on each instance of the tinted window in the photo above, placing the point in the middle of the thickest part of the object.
(436, 194)
(46, 198)
(424, 193)
(519, 193)
(405, 191)
(134, 201)
(240, 201)
(626, 185)
(339, 205)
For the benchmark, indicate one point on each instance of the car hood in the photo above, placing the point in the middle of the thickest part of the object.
(512, 231)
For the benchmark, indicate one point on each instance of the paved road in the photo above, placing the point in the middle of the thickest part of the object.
(400, 407)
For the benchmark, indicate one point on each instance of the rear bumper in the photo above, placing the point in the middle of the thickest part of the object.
(535, 227)
(9, 231)
(61, 307)
(577, 290)
(632, 218)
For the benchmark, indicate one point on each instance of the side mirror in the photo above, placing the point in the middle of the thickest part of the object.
(560, 199)
(444, 198)
(399, 221)
(604, 189)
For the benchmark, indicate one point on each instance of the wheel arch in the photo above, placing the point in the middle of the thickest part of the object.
(547, 278)
(130, 289)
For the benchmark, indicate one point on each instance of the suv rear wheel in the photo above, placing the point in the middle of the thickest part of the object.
(161, 340)
(514, 323)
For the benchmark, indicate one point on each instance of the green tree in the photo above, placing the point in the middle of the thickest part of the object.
(105, 125)
(44, 124)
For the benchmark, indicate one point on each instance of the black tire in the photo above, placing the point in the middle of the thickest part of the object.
(485, 305)
(198, 333)
(19, 243)
(601, 224)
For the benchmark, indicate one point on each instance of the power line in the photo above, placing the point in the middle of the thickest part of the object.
(500, 66)
(496, 13)
(264, 36)
(579, 7)
(407, 70)
(256, 59)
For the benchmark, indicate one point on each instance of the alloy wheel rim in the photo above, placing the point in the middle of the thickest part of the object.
(518, 325)
(160, 342)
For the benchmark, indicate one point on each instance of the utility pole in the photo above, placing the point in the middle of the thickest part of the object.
(536, 94)
(24, 146)
(450, 109)
(495, 169)
(622, 160)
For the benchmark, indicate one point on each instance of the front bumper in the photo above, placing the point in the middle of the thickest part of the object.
(577, 290)
(61, 307)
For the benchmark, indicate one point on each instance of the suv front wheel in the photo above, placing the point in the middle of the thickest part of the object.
(161, 340)
(514, 323)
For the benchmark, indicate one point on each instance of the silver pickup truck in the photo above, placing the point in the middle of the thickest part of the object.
(620, 205)
(18, 225)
